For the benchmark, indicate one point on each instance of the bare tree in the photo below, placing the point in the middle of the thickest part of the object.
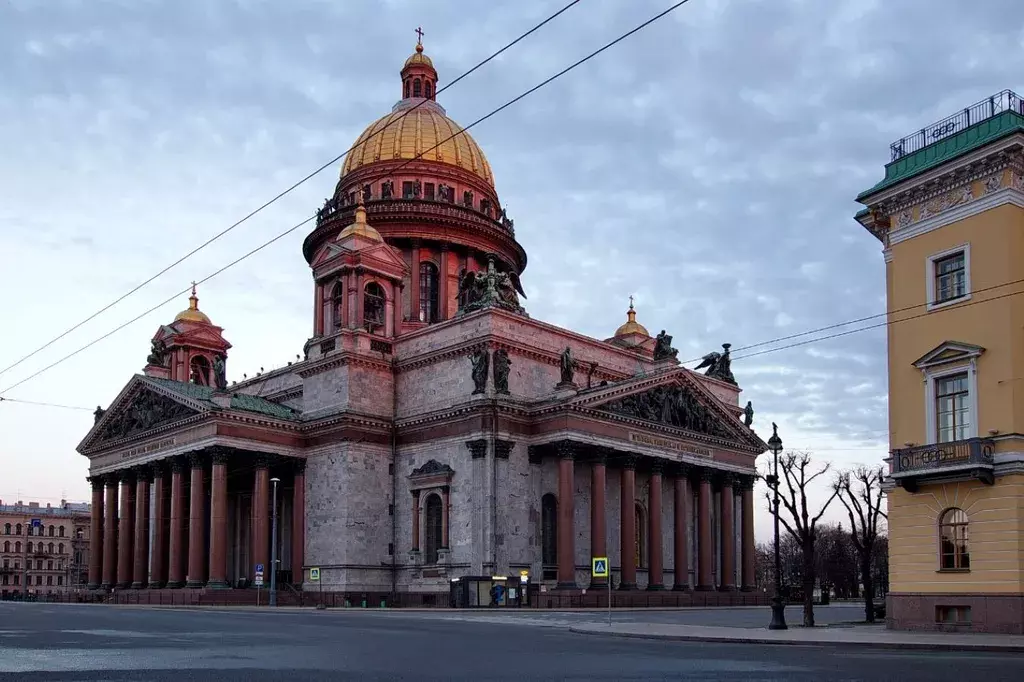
(861, 493)
(801, 526)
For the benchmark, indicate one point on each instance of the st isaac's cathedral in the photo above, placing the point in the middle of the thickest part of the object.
(433, 430)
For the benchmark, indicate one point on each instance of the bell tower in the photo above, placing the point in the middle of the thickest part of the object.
(191, 349)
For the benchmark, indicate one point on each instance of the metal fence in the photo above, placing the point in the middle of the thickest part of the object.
(1007, 100)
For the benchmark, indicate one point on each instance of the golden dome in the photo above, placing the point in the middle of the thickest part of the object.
(360, 228)
(192, 313)
(424, 132)
(418, 58)
(631, 326)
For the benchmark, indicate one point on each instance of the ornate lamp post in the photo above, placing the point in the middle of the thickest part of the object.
(778, 608)
(273, 545)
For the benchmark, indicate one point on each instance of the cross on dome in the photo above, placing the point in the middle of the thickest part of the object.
(419, 39)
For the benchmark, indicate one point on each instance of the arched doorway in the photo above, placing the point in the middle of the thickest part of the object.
(428, 292)
(433, 529)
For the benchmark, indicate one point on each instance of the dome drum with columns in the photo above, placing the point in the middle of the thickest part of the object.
(427, 187)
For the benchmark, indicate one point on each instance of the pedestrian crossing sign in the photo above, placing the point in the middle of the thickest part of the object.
(314, 575)
(599, 568)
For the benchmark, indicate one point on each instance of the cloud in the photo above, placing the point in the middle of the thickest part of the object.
(707, 165)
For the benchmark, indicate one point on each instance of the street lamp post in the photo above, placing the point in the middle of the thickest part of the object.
(778, 608)
(273, 545)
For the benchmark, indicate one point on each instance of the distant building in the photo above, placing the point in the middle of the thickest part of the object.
(950, 215)
(43, 550)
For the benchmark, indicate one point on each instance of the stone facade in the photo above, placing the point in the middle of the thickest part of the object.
(44, 550)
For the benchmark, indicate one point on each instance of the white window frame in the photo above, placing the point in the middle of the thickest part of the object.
(930, 276)
(931, 377)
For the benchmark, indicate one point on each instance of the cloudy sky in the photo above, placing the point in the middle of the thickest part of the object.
(707, 165)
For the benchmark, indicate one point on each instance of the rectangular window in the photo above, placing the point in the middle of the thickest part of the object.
(49, 580)
(952, 410)
(950, 278)
(428, 191)
(17, 579)
(60, 581)
(953, 615)
(39, 580)
(407, 189)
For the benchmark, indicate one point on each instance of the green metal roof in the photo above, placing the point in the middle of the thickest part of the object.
(239, 401)
(948, 148)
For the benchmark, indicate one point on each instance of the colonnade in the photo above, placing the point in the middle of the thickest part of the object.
(189, 498)
(685, 478)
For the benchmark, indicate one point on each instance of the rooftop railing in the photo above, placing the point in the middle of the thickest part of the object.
(1007, 100)
(922, 459)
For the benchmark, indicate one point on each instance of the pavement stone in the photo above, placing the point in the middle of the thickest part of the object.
(868, 636)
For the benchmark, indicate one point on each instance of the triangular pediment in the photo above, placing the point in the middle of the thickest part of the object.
(378, 255)
(142, 407)
(674, 400)
(948, 352)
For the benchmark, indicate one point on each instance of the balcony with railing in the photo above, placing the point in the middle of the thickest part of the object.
(969, 459)
(1007, 100)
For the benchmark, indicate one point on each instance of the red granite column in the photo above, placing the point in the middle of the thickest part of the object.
(260, 524)
(140, 568)
(627, 525)
(318, 310)
(360, 313)
(446, 498)
(442, 284)
(656, 574)
(566, 517)
(110, 533)
(219, 521)
(397, 309)
(126, 530)
(414, 283)
(598, 523)
(96, 534)
(158, 565)
(197, 524)
(705, 545)
(681, 559)
(299, 523)
(749, 557)
(415, 520)
(176, 541)
(728, 582)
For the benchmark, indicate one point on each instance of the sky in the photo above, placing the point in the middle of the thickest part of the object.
(707, 165)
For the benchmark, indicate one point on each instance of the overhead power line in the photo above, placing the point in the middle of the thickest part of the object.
(39, 404)
(504, 106)
(279, 195)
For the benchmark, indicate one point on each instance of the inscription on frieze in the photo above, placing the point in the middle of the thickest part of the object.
(148, 448)
(666, 444)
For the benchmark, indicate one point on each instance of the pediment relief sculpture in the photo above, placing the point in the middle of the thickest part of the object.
(673, 406)
(148, 410)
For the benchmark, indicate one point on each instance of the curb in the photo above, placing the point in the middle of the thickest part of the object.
(861, 644)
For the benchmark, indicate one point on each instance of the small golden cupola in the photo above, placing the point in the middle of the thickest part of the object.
(360, 228)
(631, 326)
(192, 313)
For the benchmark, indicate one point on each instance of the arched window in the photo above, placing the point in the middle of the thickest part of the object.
(51, 531)
(406, 88)
(17, 547)
(19, 529)
(49, 548)
(7, 545)
(7, 529)
(640, 518)
(549, 530)
(427, 90)
(60, 548)
(60, 531)
(373, 304)
(200, 370)
(428, 292)
(953, 537)
(433, 529)
(337, 305)
(417, 88)
(30, 548)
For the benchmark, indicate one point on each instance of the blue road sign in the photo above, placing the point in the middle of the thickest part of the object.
(259, 568)
(36, 523)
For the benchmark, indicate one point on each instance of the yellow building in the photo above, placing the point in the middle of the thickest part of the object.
(950, 216)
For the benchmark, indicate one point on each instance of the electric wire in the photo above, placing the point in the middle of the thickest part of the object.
(280, 195)
(504, 106)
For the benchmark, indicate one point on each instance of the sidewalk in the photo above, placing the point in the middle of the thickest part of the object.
(866, 636)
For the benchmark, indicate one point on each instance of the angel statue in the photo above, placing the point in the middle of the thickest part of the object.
(491, 288)
(719, 365)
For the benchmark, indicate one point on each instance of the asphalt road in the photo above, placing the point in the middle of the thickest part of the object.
(54, 642)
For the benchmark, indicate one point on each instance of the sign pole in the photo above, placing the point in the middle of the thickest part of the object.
(609, 581)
